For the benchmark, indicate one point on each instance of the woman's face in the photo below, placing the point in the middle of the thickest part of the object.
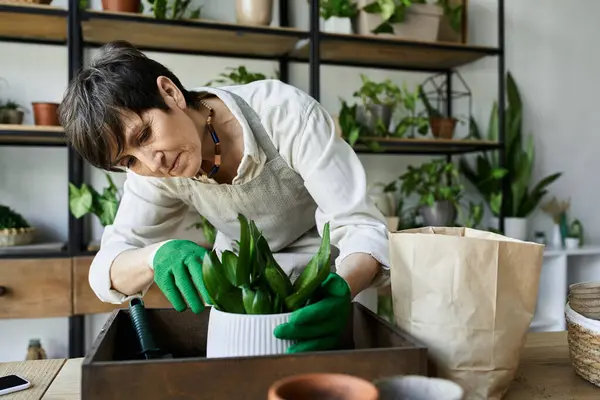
(160, 143)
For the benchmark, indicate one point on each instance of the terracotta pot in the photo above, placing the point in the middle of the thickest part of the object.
(322, 387)
(13, 117)
(443, 127)
(254, 12)
(45, 113)
(130, 6)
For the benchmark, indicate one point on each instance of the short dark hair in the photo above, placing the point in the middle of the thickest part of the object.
(120, 78)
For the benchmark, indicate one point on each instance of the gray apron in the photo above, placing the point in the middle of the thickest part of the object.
(276, 200)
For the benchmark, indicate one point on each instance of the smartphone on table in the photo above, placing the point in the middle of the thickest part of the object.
(13, 383)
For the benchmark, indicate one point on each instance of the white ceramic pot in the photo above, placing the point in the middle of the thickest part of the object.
(419, 388)
(254, 12)
(572, 243)
(243, 335)
(515, 228)
(337, 25)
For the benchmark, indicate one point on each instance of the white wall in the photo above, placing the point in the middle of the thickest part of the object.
(556, 78)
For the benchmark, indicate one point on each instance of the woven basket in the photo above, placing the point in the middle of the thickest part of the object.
(584, 299)
(584, 345)
(16, 237)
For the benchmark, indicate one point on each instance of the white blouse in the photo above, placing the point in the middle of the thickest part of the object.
(287, 114)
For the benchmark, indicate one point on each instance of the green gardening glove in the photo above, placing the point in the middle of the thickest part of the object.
(319, 325)
(177, 268)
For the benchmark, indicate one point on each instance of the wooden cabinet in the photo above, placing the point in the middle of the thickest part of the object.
(35, 288)
(85, 300)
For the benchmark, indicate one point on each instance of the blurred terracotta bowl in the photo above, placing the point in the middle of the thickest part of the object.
(323, 387)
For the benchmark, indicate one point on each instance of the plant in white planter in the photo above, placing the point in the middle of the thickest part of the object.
(487, 175)
(14, 229)
(339, 16)
(251, 294)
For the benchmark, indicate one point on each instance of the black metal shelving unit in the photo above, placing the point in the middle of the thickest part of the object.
(49, 25)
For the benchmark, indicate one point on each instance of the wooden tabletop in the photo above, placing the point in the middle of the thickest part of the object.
(545, 373)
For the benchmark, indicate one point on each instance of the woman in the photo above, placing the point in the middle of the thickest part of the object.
(266, 150)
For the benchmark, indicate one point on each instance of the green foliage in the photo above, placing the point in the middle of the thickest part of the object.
(10, 105)
(208, 230)
(576, 231)
(252, 282)
(433, 181)
(10, 219)
(173, 9)
(454, 13)
(86, 200)
(474, 215)
(371, 92)
(352, 130)
(238, 76)
(338, 8)
(391, 11)
(487, 174)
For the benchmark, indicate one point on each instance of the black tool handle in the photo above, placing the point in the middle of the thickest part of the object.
(139, 320)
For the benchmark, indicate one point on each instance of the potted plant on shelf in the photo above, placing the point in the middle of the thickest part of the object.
(339, 16)
(436, 183)
(11, 113)
(249, 290)
(14, 229)
(175, 10)
(487, 175)
(127, 6)
(412, 19)
(239, 76)
(412, 118)
(378, 101)
(45, 113)
(254, 12)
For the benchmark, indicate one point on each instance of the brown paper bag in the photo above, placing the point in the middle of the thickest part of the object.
(469, 296)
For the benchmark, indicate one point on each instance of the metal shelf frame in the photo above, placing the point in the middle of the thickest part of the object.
(76, 45)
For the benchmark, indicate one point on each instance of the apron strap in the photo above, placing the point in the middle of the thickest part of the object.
(263, 139)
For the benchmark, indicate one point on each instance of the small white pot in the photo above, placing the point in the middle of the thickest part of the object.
(243, 335)
(419, 387)
(515, 228)
(571, 243)
(337, 25)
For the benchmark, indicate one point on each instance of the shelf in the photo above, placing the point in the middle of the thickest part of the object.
(31, 135)
(32, 23)
(426, 146)
(35, 250)
(396, 53)
(189, 36)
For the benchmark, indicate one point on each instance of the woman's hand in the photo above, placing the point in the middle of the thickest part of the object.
(177, 268)
(320, 325)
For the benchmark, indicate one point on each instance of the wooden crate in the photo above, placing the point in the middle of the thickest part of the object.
(113, 370)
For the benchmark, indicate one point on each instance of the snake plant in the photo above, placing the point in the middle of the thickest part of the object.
(252, 282)
(487, 175)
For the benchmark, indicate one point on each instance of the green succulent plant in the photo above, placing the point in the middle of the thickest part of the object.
(238, 76)
(252, 282)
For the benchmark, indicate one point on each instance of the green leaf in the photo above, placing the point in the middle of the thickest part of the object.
(224, 295)
(80, 200)
(245, 263)
(108, 211)
(229, 260)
